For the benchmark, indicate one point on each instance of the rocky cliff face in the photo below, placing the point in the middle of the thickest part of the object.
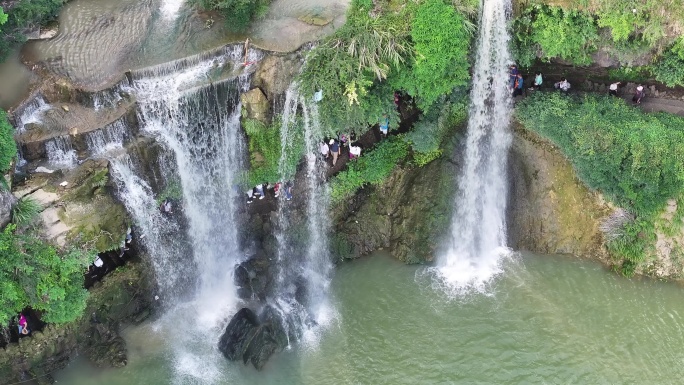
(550, 210)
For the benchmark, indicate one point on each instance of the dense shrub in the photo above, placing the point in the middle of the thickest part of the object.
(8, 148)
(670, 67)
(634, 159)
(555, 32)
(33, 273)
(441, 40)
(373, 167)
(238, 14)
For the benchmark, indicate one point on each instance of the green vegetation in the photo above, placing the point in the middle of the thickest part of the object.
(33, 273)
(238, 14)
(265, 149)
(26, 14)
(433, 127)
(670, 68)
(8, 148)
(25, 210)
(635, 159)
(371, 168)
(555, 32)
(418, 47)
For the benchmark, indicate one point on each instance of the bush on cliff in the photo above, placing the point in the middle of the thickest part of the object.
(635, 159)
(418, 47)
(35, 274)
(372, 167)
(26, 14)
(265, 149)
(8, 148)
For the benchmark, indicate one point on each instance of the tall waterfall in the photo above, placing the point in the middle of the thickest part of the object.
(197, 119)
(304, 264)
(478, 235)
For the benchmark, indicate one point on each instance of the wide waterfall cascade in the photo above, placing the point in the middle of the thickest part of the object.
(197, 118)
(478, 237)
(303, 264)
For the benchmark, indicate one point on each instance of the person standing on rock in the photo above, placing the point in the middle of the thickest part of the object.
(334, 150)
(288, 190)
(384, 125)
(537, 81)
(638, 95)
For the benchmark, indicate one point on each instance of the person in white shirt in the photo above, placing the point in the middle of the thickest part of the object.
(613, 89)
(562, 85)
(354, 151)
(325, 150)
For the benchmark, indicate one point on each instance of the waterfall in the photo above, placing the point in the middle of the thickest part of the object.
(478, 237)
(110, 137)
(31, 112)
(302, 264)
(60, 152)
(198, 120)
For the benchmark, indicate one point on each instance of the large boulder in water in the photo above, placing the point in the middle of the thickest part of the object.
(248, 339)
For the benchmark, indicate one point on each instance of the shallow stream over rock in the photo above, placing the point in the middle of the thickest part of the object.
(547, 319)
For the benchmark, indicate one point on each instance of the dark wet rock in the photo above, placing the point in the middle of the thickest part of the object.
(238, 334)
(249, 338)
(253, 278)
(7, 200)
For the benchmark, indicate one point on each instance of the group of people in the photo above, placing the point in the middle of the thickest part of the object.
(639, 93)
(516, 85)
(259, 191)
(516, 82)
(332, 148)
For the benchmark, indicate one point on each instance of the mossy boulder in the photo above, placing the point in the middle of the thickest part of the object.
(255, 106)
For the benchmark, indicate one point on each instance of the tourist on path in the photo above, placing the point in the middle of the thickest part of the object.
(613, 89)
(334, 150)
(384, 125)
(325, 150)
(354, 151)
(538, 80)
(638, 95)
(288, 190)
(518, 86)
(23, 325)
(512, 77)
(563, 85)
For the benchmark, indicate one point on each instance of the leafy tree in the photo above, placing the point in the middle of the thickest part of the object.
(441, 40)
(33, 273)
(567, 34)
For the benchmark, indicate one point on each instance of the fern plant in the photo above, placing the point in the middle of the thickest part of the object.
(25, 210)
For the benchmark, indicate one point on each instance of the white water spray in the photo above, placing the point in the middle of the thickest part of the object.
(478, 231)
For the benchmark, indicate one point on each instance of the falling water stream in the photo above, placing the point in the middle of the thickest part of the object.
(478, 239)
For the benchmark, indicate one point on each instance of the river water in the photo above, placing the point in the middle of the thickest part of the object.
(546, 319)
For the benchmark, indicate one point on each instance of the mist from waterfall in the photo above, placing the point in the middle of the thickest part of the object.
(477, 242)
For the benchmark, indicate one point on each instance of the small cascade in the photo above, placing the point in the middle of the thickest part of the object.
(60, 152)
(110, 137)
(478, 237)
(31, 112)
(108, 98)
